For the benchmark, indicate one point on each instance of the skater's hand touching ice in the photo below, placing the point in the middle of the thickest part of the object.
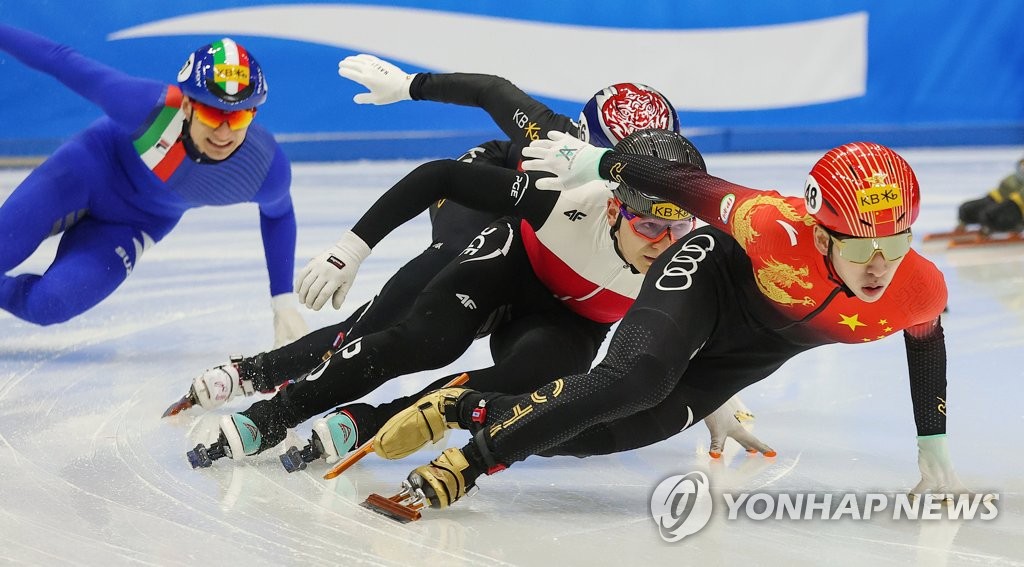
(937, 474)
(288, 324)
(386, 82)
(733, 419)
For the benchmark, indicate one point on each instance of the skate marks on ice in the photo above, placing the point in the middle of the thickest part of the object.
(86, 460)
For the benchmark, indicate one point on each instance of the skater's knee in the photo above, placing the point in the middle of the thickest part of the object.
(432, 345)
(53, 313)
(970, 211)
(653, 376)
(1002, 217)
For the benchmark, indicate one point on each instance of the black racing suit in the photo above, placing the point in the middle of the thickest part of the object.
(522, 119)
(721, 309)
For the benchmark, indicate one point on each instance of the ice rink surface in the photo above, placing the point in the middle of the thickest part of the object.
(90, 474)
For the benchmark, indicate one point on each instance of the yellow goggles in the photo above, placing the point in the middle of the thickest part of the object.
(862, 250)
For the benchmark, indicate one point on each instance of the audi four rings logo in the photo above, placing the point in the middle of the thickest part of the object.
(678, 274)
(681, 505)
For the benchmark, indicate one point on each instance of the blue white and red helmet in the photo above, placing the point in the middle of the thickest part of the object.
(223, 75)
(617, 111)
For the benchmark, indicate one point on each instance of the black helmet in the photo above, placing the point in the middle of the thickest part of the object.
(665, 145)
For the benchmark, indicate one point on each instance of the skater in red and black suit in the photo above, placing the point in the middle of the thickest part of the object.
(721, 309)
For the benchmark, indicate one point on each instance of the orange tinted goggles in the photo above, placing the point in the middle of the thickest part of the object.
(214, 117)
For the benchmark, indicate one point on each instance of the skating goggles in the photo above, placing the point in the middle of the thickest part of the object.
(653, 228)
(862, 250)
(214, 117)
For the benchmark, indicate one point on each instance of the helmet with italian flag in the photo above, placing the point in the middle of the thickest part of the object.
(223, 75)
(863, 190)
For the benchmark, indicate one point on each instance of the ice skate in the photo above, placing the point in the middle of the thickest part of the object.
(238, 437)
(986, 238)
(245, 434)
(334, 436)
(214, 387)
(961, 231)
(423, 422)
(437, 484)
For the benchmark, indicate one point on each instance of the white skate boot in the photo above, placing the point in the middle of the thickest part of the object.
(217, 385)
(334, 435)
(337, 433)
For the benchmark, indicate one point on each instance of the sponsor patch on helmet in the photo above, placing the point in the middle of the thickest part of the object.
(669, 211)
(725, 208)
(880, 196)
(226, 72)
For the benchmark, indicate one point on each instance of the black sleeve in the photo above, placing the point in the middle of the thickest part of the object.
(926, 360)
(681, 183)
(494, 152)
(482, 187)
(519, 116)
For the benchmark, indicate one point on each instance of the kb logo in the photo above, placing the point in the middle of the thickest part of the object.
(681, 505)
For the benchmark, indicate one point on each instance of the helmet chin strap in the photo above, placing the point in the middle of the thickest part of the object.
(193, 151)
(833, 274)
(615, 242)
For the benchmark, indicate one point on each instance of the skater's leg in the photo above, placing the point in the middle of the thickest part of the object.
(92, 260)
(440, 327)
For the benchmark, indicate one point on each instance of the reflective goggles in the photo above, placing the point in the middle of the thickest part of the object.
(862, 250)
(214, 117)
(653, 228)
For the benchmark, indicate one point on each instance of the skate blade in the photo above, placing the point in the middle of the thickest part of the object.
(956, 234)
(179, 406)
(292, 460)
(395, 507)
(367, 447)
(987, 240)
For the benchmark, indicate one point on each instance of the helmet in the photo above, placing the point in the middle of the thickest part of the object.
(615, 112)
(662, 144)
(223, 75)
(863, 190)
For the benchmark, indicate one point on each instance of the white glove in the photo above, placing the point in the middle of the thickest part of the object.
(386, 82)
(730, 420)
(330, 275)
(288, 324)
(573, 161)
(937, 474)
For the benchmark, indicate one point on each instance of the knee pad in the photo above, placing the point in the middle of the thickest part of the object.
(1002, 217)
(970, 212)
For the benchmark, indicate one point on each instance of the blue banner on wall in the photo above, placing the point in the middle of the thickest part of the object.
(743, 75)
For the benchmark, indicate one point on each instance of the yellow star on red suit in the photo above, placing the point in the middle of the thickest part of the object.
(851, 321)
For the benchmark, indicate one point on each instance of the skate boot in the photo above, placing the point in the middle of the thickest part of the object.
(334, 435)
(425, 421)
(251, 432)
(217, 385)
(442, 481)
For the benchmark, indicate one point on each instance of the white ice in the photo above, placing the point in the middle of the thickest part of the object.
(90, 474)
